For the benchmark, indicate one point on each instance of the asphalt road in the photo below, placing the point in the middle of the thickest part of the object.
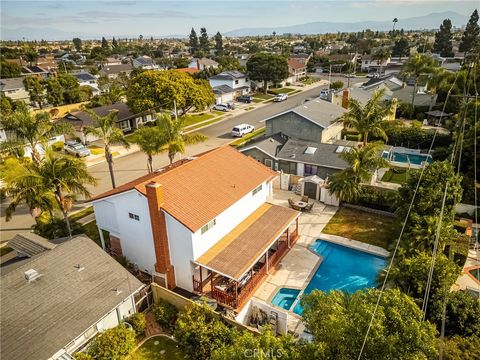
(130, 167)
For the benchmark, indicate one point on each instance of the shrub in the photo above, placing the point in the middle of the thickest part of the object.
(336, 85)
(288, 83)
(138, 322)
(82, 356)
(351, 137)
(57, 146)
(376, 198)
(165, 313)
(462, 348)
(113, 344)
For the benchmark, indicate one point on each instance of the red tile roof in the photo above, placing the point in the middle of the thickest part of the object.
(191, 71)
(196, 191)
(295, 64)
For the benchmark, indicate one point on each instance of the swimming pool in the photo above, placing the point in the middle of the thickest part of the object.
(285, 298)
(342, 268)
(407, 156)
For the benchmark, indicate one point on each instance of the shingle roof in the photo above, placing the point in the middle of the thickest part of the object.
(145, 60)
(40, 317)
(228, 75)
(198, 190)
(116, 69)
(11, 84)
(269, 145)
(84, 76)
(325, 154)
(223, 89)
(295, 64)
(30, 244)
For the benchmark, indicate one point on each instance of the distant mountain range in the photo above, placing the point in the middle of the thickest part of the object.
(431, 21)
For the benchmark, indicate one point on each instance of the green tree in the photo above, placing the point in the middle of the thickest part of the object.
(362, 161)
(138, 322)
(462, 348)
(336, 85)
(150, 142)
(368, 119)
(36, 89)
(173, 138)
(113, 344)
(204, 42)
(54, 91)
(162, 89)
(9, 70)
(267, 67)
(471, 34)
(415, 66)
(193, 41)
(401, 48)
(30, 129)
(114, 43)
(339, 322)
(104, 43)
(109, 133)
(70, 88)
(77, 43)
(165, 313)
(218, 43)
(443, 39)
(200, 331)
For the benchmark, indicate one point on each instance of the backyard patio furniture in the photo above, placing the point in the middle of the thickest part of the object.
(309, 207)
(305, 198)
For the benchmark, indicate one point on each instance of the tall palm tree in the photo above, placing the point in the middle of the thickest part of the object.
(440, 79)
(173, 137)
(57, 177)
(395, 20)
(368, 119)
(362, 161)
(415, 66)
(149, 140)
(109, 133)
(25, 128)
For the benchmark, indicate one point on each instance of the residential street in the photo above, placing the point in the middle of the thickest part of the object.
(133, 165)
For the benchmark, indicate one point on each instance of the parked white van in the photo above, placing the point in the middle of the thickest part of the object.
(242, 129)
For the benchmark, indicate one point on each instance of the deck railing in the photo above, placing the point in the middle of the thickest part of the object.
(197, 285)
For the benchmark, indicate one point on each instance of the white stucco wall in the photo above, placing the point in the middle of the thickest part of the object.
(135, 236)
(333, 132)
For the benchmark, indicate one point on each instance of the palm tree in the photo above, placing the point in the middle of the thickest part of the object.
(57, 179)
(33, 130)
(415, 66)
(381, 55)
(395, 20)
(368, 119)
(362, 161)
(173, 137)
(109, 133)
(149, 140)
(440, 79)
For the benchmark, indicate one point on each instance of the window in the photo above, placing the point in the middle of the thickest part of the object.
(208, 226)
(310, 170)
(236, 82)
(257, 190)
(124, 125)
(134, 216)
(269, 163)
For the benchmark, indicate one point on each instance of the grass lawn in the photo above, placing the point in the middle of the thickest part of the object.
(263, 96)
(194, 119)
(284, 90)
(82, 213)
(193, 127)
(246, 138)
(395, 175)
(363, 226)
(96, 150)
(158, 348)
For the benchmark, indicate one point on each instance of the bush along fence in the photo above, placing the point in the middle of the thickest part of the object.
(378, 200)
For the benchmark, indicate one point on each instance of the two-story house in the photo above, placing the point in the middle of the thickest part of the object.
(14, 89)
(228, 85)
(113, 71)
(369, 64)
(315, 120)
(86, 79)
(145, 62)
(202, 224)
(296, 70)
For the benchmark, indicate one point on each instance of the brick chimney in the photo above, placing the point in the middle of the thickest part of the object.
(159, 231)
(345, 97)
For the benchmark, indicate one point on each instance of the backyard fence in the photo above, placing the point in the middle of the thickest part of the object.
(370, 210)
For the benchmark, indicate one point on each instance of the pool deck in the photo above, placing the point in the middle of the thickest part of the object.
(466, 280)
(299, 265)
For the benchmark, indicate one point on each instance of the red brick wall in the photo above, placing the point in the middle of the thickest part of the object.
(115, 246)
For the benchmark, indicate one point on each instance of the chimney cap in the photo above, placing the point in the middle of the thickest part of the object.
(153, 184)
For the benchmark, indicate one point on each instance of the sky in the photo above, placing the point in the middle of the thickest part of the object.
(161, 18)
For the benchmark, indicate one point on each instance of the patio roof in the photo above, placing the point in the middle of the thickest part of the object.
(241, 248)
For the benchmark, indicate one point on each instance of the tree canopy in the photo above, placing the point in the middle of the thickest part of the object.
(443, 39)
(267, 67)
(471, 34)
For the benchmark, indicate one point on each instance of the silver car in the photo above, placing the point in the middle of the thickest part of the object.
(76, 149)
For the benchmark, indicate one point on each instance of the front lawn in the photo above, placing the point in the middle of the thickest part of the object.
(96, 150)
(363, 226)
(284, 90)
(158, 348)
(262, 96)
(196, 118)
(395, 175)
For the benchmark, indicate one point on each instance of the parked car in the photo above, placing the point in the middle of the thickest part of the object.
(221, 107)
(247, 99)
(242, 129)
(350, 76)
(324, 93)
(373, 75)
(76, 148)
(280, 97)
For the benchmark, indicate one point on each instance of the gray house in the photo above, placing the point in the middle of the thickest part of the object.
(314, 121)
(297, 157)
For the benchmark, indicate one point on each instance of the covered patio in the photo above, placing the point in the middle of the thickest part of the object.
(231, 270)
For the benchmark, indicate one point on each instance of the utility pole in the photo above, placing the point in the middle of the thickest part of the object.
(329, 76)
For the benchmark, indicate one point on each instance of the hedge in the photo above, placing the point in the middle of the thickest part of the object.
(378, 198)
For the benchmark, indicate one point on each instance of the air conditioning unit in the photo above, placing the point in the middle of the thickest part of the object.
(32, 275)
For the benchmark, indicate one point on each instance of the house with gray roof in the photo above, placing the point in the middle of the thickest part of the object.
(113, 71)
(228, 85)
(54, 303)
(145, 62)
(13, 88)
(203, 63)
(315, 120)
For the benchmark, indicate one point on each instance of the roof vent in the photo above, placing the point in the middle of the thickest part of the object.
(117, 291)
(310, 150)
(32, 275)
(79, 267)
(340, 149)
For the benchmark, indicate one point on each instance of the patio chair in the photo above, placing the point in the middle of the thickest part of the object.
(305, 198)
(291, 203)
(309, 207)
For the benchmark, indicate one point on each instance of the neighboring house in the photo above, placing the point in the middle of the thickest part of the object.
(228, 85)
(126, 119)
(301, 58)
(13, 88)
(60, 296)
(296, 70)
(243, 59)
(202, 224)
(110, 61)
(371, 65)
(313, 121)
(145, 62)
(113, 71)
(87, 79)
(297, 157)
(47, 62)
(202, 64)
(35, 71)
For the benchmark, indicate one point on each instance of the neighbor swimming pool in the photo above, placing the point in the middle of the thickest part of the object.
(342, 268)
(407, 156)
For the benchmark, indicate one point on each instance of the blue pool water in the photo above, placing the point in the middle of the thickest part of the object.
(406, 158)
(343, 269)
(285, 298)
